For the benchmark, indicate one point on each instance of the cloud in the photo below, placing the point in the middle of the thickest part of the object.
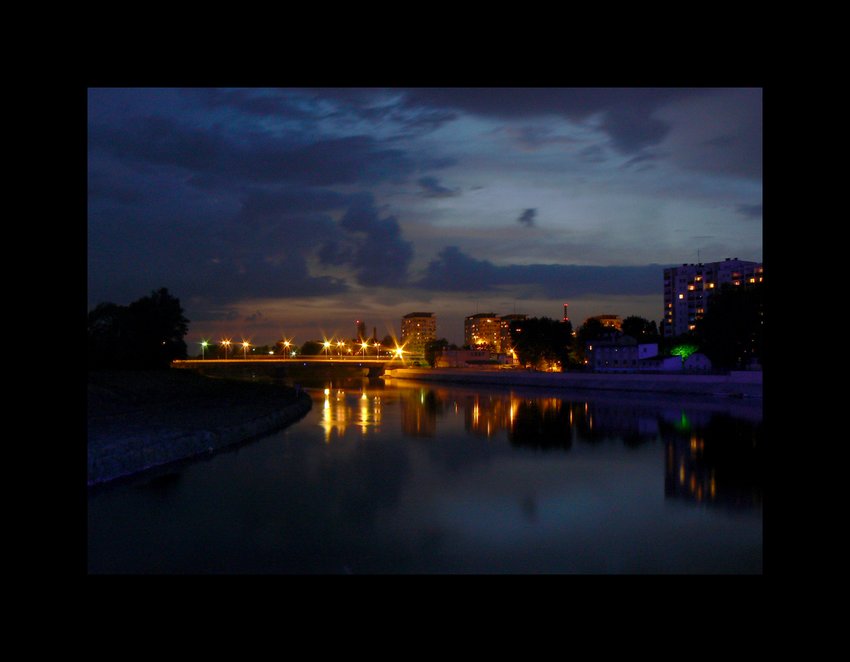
(455, 271)
(532, 138)
(527, 218)
(431, 188)
(717, 131)
(217, 159)
(626, 115)
(750, 211)
(371, 245)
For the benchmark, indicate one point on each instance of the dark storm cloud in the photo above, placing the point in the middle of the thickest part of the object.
(527, 218)
(719, 131)
(215, 247)
(262, 103)
(372, 246)
(245, 207)
(626, 113)
(220, 159)
(286, 201)
(218, 262)
(454, 271)
(431, 188)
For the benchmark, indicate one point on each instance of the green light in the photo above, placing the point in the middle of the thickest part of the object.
(684, 351)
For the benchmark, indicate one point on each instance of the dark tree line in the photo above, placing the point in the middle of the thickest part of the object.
(539, 341)
(435, 347)
(732, 331)
(145, 335)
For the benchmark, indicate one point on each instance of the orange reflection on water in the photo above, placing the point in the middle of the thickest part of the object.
(339, 412)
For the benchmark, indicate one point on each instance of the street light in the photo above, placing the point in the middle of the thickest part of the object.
(327, 345)
(377, 350)
(204, 344)
(245, 349)
(339, 345)
(226, 344)
(364, 345)
(286, 344)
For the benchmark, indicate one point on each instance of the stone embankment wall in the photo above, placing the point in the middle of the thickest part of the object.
(140, 421)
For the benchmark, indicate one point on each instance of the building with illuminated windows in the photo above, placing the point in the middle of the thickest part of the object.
(483, 330)
(688, 289)
(417, 330)
(505, 333)
(609, 321)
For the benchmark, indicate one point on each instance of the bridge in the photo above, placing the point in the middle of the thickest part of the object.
(278, 368)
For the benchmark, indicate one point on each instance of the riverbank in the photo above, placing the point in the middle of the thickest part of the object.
(141, 420)
(735, 384)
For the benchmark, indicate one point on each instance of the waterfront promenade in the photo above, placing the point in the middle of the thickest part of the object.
(747, 384)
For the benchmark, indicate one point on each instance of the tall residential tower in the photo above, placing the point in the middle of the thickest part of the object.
(417, 330)
(688, 289)
(483, 331)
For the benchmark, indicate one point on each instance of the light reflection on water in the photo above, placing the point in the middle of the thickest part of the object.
(403, 478)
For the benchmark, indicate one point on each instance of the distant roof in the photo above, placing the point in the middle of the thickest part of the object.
(482, 315)
(418, 315)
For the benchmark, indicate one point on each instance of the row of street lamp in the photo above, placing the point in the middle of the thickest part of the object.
(287, 347)
(226, 344)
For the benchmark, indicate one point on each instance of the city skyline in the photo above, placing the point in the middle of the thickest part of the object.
(295, 212)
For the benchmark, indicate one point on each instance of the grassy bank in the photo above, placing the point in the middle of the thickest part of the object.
(140, 420)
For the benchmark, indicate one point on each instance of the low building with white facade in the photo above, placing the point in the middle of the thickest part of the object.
(618, 354)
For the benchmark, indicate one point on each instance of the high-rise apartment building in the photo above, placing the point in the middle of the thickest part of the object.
(483, 330)
(688, 289)
(418, 329)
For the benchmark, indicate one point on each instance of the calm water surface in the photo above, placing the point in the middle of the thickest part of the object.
(415, 478)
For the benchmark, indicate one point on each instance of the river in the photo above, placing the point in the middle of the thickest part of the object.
(414, 478)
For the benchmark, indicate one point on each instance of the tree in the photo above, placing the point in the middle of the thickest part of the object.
(388, 343)
(732, 330)
(541, 341)
(157, 327)
(592, 329)
(311, 348)
(106, 335)
(434, 347)
(684, 350)
(640, 329)
(147, 334)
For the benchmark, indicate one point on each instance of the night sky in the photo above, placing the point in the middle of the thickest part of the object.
(276, 213)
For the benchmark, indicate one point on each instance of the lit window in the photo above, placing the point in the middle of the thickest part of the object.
(681, 296)
(690, 287)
